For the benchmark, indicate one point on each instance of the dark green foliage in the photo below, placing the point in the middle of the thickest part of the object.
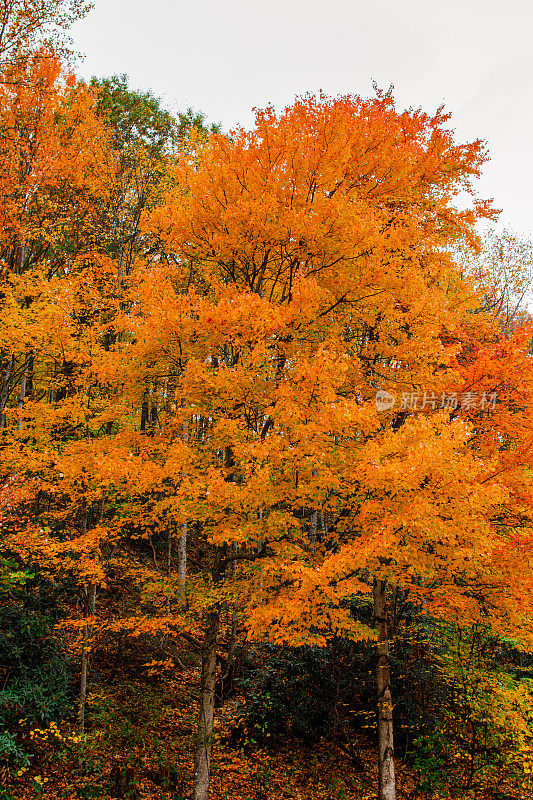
(286, 689)
(121, 725)
(90, 791)
(428, 759)
(10, 750)
(454, 691)
(36, 680)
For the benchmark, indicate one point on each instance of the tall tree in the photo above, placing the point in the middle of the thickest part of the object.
(71, 197)
(314, 269)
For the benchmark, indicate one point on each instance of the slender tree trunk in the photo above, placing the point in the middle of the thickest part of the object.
(387, 783)
(23, 385)
(259, 547)
(145, 413)
(153, 407)
(85, 650)
(204, 747)
(313, 528)
(89, 610)
(21, 258)
(182, 540)
(230, 666)
(169, 564)
(324, 527)
(5, 390)
(181, 551)
(181, 546)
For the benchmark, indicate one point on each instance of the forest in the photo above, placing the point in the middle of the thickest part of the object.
(266, 448)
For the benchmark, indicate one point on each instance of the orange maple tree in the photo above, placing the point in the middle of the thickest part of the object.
(315, 268)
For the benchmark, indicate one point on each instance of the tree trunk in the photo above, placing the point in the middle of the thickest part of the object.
(145, 413)
(313, 528)
(85, 649)
(169, 566)
(324, 528)
(23, 385)
(181, 546)
(6, 385)
(182, 540)
(387, 783)
(202, 761)
(89, 610)
(225, 683)
(122, 779)
(21, 258)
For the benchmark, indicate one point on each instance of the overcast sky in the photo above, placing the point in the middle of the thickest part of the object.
(226, 56)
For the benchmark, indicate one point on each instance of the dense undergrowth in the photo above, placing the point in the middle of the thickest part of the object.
(291, 722)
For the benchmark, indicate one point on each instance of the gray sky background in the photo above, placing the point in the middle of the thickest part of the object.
(226, 56)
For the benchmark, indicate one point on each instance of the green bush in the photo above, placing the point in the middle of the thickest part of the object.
(287, 689)
(11, 751)
(37, 683)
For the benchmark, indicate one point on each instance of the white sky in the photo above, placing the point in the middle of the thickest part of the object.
(226, 56)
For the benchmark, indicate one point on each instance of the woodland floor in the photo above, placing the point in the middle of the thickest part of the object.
(140, 746)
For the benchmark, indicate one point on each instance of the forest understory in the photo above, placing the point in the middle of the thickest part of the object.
(289, 722)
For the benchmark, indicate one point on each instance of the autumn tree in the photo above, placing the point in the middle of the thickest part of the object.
(26, 25)
(55, 151)
(71, 201)
(314, 269)
(52, 146)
